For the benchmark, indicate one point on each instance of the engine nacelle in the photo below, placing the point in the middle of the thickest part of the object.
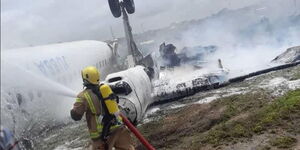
(133, 86)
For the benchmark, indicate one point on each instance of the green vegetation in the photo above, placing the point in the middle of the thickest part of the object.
(279, 112)
(283, 142)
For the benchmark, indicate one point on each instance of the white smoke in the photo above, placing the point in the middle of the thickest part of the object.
(247, 40)
(34, 22)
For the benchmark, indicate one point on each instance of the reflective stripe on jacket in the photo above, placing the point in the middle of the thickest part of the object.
(87, 102)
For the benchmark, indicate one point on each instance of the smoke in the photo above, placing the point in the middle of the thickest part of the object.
(34, 22)
(247, 38)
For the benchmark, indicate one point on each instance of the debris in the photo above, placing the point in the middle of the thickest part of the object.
(291, 55)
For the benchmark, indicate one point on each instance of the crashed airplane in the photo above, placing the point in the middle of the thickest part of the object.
(30, 76)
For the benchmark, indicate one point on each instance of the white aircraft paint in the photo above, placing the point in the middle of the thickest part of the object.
(137, 97)
(35, 80)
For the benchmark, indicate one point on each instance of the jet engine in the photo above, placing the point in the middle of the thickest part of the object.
(134, 88)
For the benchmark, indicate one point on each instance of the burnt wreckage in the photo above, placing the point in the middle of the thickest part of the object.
(290, 58)
(194, 56)
(166, 90)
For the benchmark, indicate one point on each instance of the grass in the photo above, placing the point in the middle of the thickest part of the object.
(283, 142)
(280, 112)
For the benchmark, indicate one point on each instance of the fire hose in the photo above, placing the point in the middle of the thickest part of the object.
(136, 133)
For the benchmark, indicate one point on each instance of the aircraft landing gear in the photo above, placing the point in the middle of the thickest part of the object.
(129, 5)
(115, 7)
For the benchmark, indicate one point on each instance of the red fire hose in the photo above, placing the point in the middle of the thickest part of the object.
(137, 133)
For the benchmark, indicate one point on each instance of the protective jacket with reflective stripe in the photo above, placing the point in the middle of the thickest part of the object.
(87, 102)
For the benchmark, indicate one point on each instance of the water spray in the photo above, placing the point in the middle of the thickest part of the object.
(18, 77)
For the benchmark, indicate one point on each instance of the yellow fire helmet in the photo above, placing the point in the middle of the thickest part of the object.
(91, 75)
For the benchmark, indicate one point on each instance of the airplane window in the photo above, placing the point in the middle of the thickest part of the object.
(121, 88)
(114, 79)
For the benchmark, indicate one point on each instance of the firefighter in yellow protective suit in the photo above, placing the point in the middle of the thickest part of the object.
(98, 103)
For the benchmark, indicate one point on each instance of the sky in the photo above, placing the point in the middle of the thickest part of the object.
(39, 22)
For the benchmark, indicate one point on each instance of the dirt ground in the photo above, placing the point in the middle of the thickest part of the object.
(240, 121)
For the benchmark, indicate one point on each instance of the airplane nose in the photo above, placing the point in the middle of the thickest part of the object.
(128, 109)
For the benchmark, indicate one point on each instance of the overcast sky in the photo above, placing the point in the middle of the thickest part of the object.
(37, 22)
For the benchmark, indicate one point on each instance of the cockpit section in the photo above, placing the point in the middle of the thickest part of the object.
(121, 88)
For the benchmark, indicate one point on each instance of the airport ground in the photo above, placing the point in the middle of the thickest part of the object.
(259, 113)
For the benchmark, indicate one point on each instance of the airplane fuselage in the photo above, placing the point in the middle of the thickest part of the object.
(35, 78)
(62, 62)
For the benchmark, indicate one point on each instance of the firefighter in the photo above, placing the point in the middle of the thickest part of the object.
(98, 103)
